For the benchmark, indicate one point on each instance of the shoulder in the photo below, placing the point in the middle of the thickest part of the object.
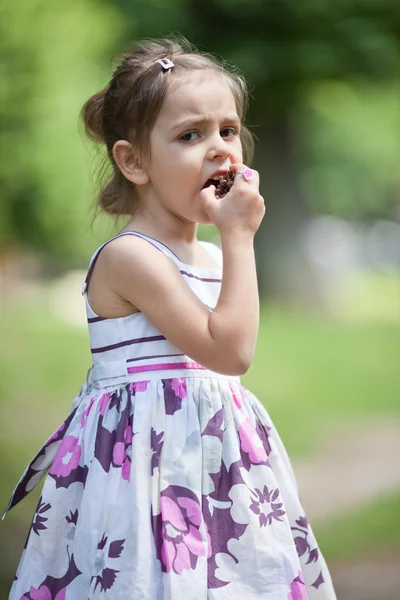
(132, 256)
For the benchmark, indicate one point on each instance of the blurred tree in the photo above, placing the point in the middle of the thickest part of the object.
(51, 54)
(285, 47)
(303, 60)
(350, 136)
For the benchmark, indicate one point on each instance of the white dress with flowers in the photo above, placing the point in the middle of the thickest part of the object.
(167, 481)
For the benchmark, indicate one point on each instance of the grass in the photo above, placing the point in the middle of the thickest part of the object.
(367, 531)
(312, 373)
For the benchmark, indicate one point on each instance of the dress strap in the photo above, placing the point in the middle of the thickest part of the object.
(159, 245)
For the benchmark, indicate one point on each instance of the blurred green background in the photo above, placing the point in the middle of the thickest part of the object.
(325, 84)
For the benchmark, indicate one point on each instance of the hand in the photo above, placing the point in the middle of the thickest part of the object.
(241, 210)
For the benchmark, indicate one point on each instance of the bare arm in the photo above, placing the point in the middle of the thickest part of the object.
(223, 341)
(151, 282)
(235, 319)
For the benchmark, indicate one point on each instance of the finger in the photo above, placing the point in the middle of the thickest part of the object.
(246, 175)
(208, 195)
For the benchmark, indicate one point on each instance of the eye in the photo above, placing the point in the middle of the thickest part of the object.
(186, 137)
(231, 131)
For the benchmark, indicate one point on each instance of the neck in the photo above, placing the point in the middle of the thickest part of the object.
(162, 225)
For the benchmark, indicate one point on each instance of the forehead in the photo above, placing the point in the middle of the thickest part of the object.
(198, 94)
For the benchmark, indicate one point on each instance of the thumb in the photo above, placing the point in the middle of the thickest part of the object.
(207, 197)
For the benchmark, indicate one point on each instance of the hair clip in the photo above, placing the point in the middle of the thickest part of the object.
(166, 63)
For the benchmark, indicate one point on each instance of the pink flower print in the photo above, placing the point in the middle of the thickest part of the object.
(86, 413)
(180, 541)
(43, 593)
(138, 386)
(251, 443)
(121, 458)
(235, 395)
(67, 457)
(104, 400)
(179, 387)
(298, 588)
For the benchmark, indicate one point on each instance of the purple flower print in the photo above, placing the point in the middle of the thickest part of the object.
(122, 454)
(303, 546)
(114, 448)
(105, 576)
(67, 457)
(251, 444)
(156, 445)
(215, 426)
(40, 464)
(138, 386)
(174, 391)
(298, 589)
(217, 511)
(265, 505)
(53, 588)
(39, 520)
(319, 581)
(178, 540)
(72, 520)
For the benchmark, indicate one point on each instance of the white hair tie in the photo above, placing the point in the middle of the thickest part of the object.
(166, 63)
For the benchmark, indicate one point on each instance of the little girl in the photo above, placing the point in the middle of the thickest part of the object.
(168, 480)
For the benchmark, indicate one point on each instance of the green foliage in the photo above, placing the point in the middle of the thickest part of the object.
(351, 145)
(312, 373)
(51, 61)
(307, 63)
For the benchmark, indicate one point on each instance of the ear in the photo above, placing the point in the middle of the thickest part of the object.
(129, 163)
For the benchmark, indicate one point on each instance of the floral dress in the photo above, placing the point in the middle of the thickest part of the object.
(167, 481)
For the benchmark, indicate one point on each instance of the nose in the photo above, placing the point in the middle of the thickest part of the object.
(218, 147)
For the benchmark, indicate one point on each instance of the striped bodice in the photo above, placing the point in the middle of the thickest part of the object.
(127, 348)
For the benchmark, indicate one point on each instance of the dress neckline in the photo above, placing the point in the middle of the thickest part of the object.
(145, 235)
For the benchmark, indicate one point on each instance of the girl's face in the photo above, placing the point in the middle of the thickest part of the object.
(195, 135)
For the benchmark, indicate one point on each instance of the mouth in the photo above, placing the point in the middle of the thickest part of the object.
(221, 175)
(223, 183)
(211, 182)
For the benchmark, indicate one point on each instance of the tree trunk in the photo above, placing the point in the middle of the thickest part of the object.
(284, 274)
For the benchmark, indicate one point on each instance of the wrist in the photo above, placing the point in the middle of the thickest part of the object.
(236, 236)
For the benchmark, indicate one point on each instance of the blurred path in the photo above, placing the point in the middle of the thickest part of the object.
(374, 579)
(352, 468)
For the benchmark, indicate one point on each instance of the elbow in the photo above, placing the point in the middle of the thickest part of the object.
(245, 358)
(240, 364)
(243, 367)
(229, 365)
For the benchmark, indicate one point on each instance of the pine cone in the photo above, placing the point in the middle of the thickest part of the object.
(224, 185)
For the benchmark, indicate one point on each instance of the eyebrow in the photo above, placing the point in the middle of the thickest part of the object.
(201, 120)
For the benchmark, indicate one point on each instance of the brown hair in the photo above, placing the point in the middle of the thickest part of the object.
(128, 107)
